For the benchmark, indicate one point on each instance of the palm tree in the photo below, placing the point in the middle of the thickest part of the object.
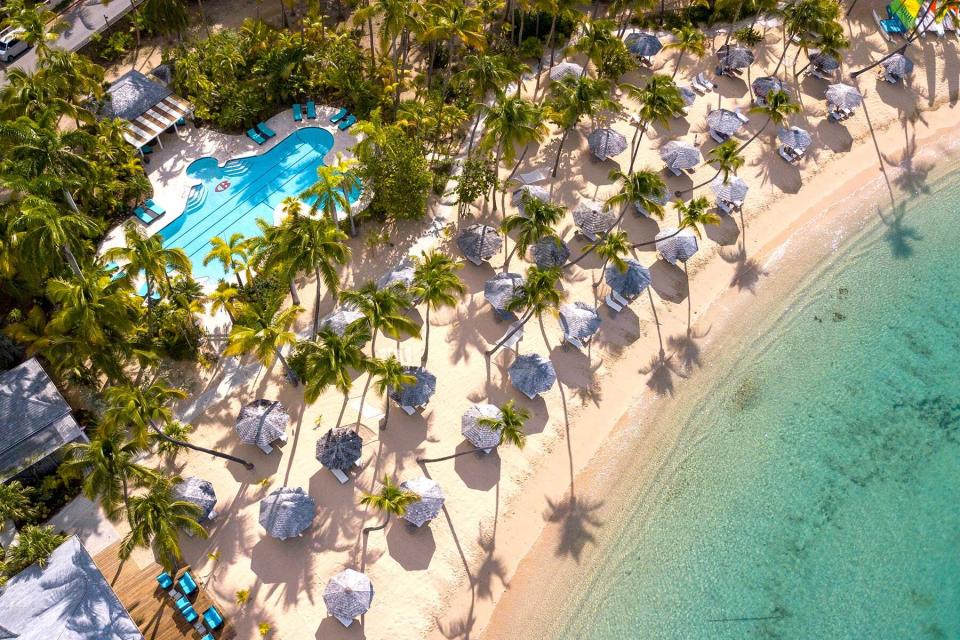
(387, 374)
(146, 254)
(537, 295)
(156, 519)
(454, 23)
(559, 9)
(331, 359)
(538, 220)
(510, 424)
(612, 247)
(728, 159)
(574, 98)
(34, 546)
(659, 100)
(390, 500)
(44, 235)
(265, 334)
(831, 43)
(224, 298)
(232, 254)
(512, 123)
(331, 191)
(385, 310)
(596, 38)
(687, 39)
(777, 107)
(801, 18)
(483, 74)
(16, 502)
(437, 285)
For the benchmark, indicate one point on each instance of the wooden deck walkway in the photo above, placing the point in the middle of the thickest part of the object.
(151, 608)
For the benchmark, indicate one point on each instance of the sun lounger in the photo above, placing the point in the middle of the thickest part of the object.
(407, 409)
(311, 110)
(165, 581)
(187, 584)
(344, 621)
(340, 475)
(740, 116)
(348, 122)
(699, 88)
(706, 84)
(788, 154)
(143, 216)
(254, 135)
(675, 172)
(265, 448)
(339, 115)
(190, 614)
(265, 130)
(515, 338)
(155, 209)
(297, 112)
(182, 603)
(575, 342)
(719, 137)
(725, 206)
(533, 177)
(212, 618)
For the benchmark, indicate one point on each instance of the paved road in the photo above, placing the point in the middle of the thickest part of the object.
(81, 20)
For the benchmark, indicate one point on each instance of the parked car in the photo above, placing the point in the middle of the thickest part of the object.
(11, 44)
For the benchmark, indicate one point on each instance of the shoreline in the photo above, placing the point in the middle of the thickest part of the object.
(561, 549)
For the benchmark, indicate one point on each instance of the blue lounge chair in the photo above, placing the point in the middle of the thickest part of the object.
(297, 113)
(346, 124)
(187, 584)
(146, 149)
(190, 614)
(254, 135)
(209, 636)
(265, 130)
(339, 115)
(311, 110)
(181, 122)
(182, 604)
(164, 579)
(212, 618)
(143, 216)
(155, 209)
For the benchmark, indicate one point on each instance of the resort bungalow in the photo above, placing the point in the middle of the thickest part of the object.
(36, 422)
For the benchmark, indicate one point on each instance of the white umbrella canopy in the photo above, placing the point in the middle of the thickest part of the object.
(480, 435)
(579, 320)
(676, 245)
(523, 194)
(480, 242)
(198, 491)
(430, 503)
(593, 218)
(605, 143)
(733, 190)
(532, 374)
(286, 512)
(843, 96)
(795, 138)
(563, 70)
(724, 121)
(261, 422)
(348, 595)
(680, 155)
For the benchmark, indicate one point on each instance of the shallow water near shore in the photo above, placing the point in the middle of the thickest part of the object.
(818, 495)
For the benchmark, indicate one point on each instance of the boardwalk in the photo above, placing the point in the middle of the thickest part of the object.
(151, 608)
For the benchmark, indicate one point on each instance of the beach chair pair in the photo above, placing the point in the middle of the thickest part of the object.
(789, 154)
(701, 85)
(615, 301)
(571, 340)
(720, 138)
(266, 448)
(515, 338)
(340, 475)
(343, 119)
(149, 212)
(727, 206)
(260, 133)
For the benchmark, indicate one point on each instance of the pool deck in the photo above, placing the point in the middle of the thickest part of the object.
(167, 169)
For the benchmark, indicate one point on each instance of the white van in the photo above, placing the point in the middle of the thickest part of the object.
(11, 44)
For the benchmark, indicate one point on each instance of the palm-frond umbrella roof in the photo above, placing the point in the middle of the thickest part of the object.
(689, 95)
(348, 595)
(823, 62)
(480, 242)
(550, 252)
(680, 155)
(563, 70)
(286, 512)
(480, 435)
(339, 448)
(630, 283)
(532, 374)
(198, 491)
(674, 246)
(843, 96)
(400, 276)
(261, 422)
(430, 503)
(898, 65)
(733, 190)
(579, 320)
(795, 138)
(765, 84)
(501, 289)
(724, 121)
(520, 195)
(643, 44)
(734, 57)
(340, 319)
(593, 218)
(605, 143)
(418, 392)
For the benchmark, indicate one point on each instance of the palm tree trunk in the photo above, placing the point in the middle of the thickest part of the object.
(496, 164)
(553, 31)
(386, 414)
(181, 443)
(677, 68)
(239, 281)
(367, 530)
(513, 172)
(293, 292)
(556, 162)
(366, 385)
(70, 201)
(450, 457)
(509, 334)
(71, 260)
(286, 366)
(635, 143)
(316, 304)
(426, 338)
(593, 246)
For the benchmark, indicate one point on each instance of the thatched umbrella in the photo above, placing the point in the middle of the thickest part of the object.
(532, 374)
(630, 283)
(724, 122)
(480, 435)
(605, 143)
(200, 492)
(563, 70)
(521, 195)
(674, 246)
(795, 138)
(689, 95)
(661, 198)
(733, 190)
(843, 96)
(579, 321)
(897, 66)
(286, 512)
(430, 503)
(348, 595)
(479, 242)
(400, 276)
(764, 85)
(418, 392)
(824, 63)
(261, 422)
(501, 289)
(339, 449)
(643, 44)
(339, 320)
(679, 155)
(550, 251)
(734, 57)
(593, 218)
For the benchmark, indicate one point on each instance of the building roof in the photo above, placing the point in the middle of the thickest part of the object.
(68, 599)
(36, 420)
(132, 95)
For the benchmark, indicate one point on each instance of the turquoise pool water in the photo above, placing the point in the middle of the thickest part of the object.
(820, 498)
(229, 199)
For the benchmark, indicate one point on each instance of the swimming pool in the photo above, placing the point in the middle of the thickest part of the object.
(230, 199)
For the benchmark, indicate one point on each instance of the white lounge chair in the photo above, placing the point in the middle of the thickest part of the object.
(340, 476)
(675, 172)
(515, 338)
(575, 342)
(344, 621)
(788, 154)
(740, 116)
(720, 138)
(699, 88)
(615, 301)
(533, 177)
(725, 206)
(265, 448)
(706, 84)
(408, 409)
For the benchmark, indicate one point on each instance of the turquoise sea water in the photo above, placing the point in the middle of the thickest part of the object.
(821, 499)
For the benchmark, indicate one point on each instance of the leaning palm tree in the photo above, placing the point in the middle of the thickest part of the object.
(331, 192)
(390, 500)
(387, 374)
(331, 359)
(156, 518)
(265, 334)
(147, 255)
(510, 425)
(224, 298)
(690, 215)
(48, 236)
(385, 310)
(727, 157)
(596, 38)
(537, 295)
(612, 247)
(512, 123)
(687, 39)
(34, 546)
(437, 285)
(571, 100)
(538, 220)
(483, 74)
(777, 107)
(232, 254)
(659, 100)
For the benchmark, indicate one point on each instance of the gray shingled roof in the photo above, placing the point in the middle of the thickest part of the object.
(532, 374)
(68, 599)
(481, 436)
(824, 63)
(764, 85)
(339, 448)
(629, 283)
(339, 320)
(593, 218)
(643, 44)
(579, 320)
(400, 276)
(681, 246)
(734, 57)
(795, 138)
(35, 420)
(348, 595)
(198, 491)
(419, 392)
(844, 96)
(550, 251)
(132, 95)
(261, 422)
(733, 190)
(898, 65)
(480, 242)
(563, 70)
(430, 503)
(286, 512)
(520, 195)
(605, 143)
(724, 121)
(680, 155)
(501, 289)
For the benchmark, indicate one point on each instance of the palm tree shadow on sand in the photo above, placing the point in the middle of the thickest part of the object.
(898, 235)
(747, 272)
(578, 523)
(661, 371)
(686, 349)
